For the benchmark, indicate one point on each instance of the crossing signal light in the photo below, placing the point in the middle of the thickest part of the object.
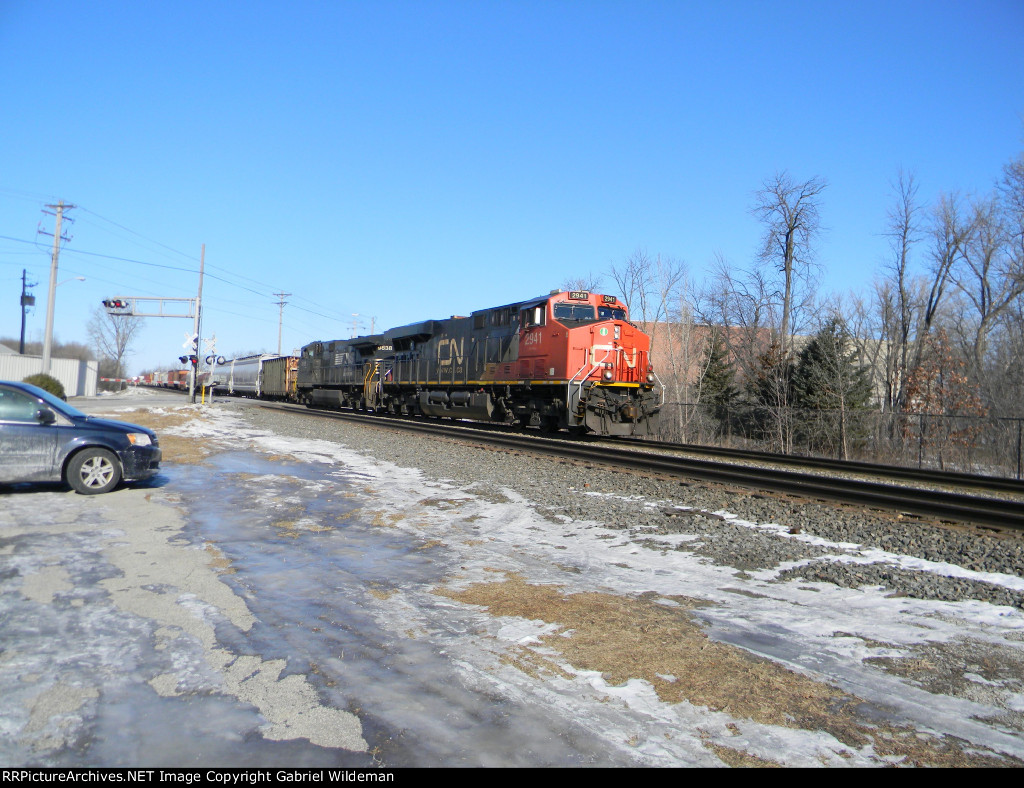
(182, 359)
(194, 360)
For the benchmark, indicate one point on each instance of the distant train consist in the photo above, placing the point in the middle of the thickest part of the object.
(568, 360)
(264, 376)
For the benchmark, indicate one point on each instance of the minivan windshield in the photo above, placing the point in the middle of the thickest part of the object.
(57, 404)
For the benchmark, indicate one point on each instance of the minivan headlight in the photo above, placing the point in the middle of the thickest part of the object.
(139, 439)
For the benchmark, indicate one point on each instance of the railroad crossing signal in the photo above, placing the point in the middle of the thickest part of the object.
(194, 360)
(191, 342)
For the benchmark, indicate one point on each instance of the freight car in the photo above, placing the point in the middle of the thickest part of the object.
(264, 376)
(173, 379)
(567, 360)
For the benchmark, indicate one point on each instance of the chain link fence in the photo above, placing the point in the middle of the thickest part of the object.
(967, 444)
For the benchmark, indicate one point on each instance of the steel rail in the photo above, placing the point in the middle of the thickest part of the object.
(952, 478)
(939, 504)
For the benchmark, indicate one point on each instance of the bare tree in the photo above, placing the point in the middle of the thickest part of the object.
(650, 287)
(990, 277)
(897, 300)
(590, 283)
(75, 350)
(743, 304)
(950, 231)
(790, 213)
(112, 335)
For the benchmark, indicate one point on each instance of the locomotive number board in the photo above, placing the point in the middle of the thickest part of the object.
(579, 295)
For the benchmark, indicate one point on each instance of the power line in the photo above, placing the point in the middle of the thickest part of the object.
(166, 267)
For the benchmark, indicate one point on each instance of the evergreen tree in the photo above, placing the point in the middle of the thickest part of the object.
(770, 383)
(828, 376)
(717, 389)
(829, 379)
(769, 389)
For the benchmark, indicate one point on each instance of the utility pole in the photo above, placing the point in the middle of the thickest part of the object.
(26, 301)
(280, 317)
(48, 339)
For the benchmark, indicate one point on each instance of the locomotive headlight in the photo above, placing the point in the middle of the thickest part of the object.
(607, 374)
(650, 377)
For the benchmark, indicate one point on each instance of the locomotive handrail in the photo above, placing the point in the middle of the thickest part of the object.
(662, 387)
(579, 386)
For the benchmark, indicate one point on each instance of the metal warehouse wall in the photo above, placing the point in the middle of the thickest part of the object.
(77, 377)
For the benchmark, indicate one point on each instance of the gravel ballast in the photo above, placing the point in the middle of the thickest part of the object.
(647, 507)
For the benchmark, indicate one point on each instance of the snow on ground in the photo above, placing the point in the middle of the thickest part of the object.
(815, 629)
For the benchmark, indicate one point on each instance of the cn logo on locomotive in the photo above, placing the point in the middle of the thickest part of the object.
(449, 350)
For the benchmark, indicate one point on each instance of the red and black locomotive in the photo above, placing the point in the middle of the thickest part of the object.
(568, 360)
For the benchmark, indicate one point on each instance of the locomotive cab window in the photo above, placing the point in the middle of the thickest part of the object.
(574, 313)
(532, 316)
(608, 313)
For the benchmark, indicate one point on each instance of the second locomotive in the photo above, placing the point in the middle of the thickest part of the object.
(568, 360)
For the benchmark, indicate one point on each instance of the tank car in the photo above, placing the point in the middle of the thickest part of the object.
(265, 376)
(567, 360)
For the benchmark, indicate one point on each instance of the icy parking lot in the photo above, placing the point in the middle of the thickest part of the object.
(274, 600)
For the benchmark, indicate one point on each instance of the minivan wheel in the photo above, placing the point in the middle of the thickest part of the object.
(93, 471)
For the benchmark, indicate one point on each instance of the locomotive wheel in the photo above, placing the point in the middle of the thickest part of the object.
(549, 424)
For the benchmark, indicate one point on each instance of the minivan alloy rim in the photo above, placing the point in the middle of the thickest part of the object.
(97, 471)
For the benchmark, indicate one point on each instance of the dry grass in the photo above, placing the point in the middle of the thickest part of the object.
(739, 759)
(381, 593)
(174, 448)
(640, 638)
(295, 528)
(220, 562)
(385, 520)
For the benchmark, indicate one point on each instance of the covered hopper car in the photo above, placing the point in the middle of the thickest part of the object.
(263, 376)
(567, 360)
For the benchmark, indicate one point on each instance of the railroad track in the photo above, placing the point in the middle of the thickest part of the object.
(961, 505)
(959, 481)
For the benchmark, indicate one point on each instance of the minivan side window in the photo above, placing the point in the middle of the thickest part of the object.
(15, 406)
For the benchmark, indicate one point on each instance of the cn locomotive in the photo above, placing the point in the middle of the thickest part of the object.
(568, 360)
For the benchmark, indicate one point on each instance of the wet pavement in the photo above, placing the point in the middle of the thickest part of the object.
(313, 572)
(250, 631)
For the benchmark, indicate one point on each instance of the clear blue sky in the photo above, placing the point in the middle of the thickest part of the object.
(411, 160)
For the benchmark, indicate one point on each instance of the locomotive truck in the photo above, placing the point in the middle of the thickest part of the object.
(567, 360)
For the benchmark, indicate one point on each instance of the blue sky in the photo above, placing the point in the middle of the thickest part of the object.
(412, 160)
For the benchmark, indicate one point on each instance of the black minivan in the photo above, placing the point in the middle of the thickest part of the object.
(43, 439)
